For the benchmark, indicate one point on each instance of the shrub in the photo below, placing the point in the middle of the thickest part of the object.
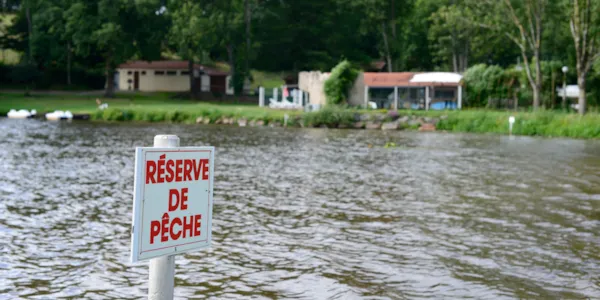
(338, 85)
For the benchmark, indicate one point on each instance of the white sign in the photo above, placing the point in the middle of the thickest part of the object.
(173, 200)
(511, 119)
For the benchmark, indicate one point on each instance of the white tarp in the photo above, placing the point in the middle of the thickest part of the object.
(572, 91)
(441, 77)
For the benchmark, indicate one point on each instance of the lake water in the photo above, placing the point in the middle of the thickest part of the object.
(308, 214)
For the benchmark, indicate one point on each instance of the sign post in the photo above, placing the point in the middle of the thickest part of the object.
(172, 209)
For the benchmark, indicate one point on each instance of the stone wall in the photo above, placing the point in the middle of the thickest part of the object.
(356, 97)
(313, 83)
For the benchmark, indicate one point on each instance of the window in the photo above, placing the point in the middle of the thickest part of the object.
(159, 72)
(128, 80)
(171, 73)
(444, 94)
(185, 73)
(128, 72)
(143, 72)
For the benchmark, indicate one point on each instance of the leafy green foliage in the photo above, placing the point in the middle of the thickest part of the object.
(338, 85)
(330, 117)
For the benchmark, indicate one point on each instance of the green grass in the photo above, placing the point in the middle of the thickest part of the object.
(140, 107)
(542, 123)
(266, 80)
(162, 107)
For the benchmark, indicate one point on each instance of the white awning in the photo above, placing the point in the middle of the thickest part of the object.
(441, 77)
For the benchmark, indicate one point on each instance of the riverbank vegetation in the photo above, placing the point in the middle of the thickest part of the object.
(164, 108)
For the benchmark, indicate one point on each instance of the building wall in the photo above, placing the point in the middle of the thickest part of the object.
(151, 82)
(356, 96)
(313, 83)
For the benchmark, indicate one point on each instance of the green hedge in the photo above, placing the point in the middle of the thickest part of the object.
(339, 83)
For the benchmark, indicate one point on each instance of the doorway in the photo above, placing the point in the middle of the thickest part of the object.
(136, 81)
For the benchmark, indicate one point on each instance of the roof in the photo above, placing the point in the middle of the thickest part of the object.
(169, 65)
(408, 79)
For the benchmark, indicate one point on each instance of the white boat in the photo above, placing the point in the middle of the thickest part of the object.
(59, 115)
(21, 114)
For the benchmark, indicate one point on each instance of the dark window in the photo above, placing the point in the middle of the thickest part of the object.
(444, 94)
(159, 72)
(171, 73)
(128, 80)
(185, 73)
(143, 72)
(128, 72)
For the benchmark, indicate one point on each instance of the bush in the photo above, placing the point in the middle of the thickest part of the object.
(338, 85)
(330, 117)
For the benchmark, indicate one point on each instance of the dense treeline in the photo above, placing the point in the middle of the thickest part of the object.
(534, 38)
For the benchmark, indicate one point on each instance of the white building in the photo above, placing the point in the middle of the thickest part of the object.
(170, 76)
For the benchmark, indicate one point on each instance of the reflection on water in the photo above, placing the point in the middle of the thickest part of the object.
(309, 214)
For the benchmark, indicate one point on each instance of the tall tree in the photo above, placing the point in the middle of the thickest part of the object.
(188, 33)
(388, 18)
(585, 28)
(450, 35)
(525, 28)
(110, 28)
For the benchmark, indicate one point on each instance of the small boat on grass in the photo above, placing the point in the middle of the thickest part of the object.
(59, 115)
(21, 114)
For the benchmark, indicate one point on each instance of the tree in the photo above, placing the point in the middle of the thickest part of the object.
(188, 33)
(450, 35)
(525, 30)
(585, 29)
(110, 28)
(387, 18)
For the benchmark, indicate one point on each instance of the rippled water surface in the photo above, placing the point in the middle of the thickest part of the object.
(308, 214)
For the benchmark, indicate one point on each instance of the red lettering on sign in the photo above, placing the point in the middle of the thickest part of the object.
(175, 236)
(154, 230)
(161, 170)
(187, 169)
(170, 175)
(150, 170)
(197, 219)
(165, 228)
(188, 226)
(178, 170)
(173, 194)
(184, 198)
(176, 228)
(204, 169)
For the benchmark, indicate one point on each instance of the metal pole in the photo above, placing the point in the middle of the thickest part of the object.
(564, 91)
(366, 96)
(261, 96)
(161, 283)
(426, 98)
(396, 98)
(459, 104)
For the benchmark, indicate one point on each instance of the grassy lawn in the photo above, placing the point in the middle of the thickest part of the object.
(148, 107)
